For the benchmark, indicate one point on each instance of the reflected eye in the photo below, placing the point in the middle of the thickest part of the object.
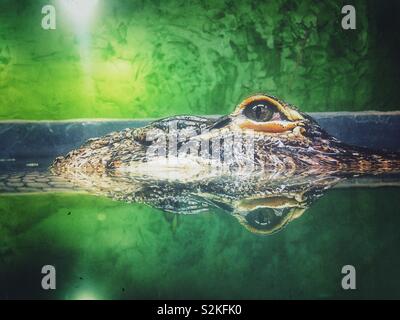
(267, 218)
(261, 111)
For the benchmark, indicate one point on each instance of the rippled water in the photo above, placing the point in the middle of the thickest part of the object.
(108, 249)
(105, 249)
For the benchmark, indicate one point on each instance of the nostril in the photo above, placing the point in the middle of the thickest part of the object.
(144, 136)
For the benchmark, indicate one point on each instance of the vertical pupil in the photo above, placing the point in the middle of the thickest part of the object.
(258, 111)
(261, 218)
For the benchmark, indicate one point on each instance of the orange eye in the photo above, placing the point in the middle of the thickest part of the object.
(262, 111)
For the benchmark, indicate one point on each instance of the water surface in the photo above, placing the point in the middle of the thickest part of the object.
(108, 249)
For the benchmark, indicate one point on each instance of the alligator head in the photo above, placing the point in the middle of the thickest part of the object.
(262, 134)
(265, 164)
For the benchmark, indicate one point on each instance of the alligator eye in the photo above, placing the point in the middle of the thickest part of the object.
(261, 111)
(267, 219)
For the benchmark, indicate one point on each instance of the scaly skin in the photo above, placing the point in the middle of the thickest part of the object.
(283, 139)
(281, 164)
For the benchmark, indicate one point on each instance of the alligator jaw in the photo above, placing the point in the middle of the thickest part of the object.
(362, 161)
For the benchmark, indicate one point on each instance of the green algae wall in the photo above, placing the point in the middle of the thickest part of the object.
(142, 59)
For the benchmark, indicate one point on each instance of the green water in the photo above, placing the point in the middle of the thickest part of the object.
(105, 249)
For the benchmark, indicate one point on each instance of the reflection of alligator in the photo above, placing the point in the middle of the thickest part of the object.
(262, 203)
(282, 162)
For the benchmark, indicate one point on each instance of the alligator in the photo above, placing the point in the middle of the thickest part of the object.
(263, 133)
(265, 164)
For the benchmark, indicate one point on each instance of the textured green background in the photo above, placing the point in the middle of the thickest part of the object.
(157, 58)
(151, 59)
